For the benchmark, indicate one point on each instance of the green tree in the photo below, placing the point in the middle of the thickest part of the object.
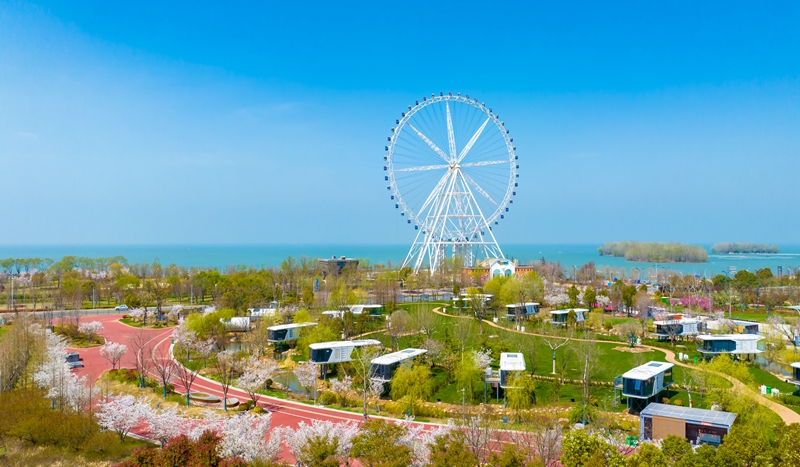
(520, 393)
(675, 449)
(589, 297)
(582, 450)
(787, 446)
(745, 443)
(451, 450)
(648, 455)
(378, 444)
(510, 456)
(467, 376)
(572, 293)
(412, 382)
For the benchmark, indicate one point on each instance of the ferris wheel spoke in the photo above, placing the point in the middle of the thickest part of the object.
(482, 163)
(472, 140)
(422, 168)
(479, 189)
(430, 143)
(451, 137)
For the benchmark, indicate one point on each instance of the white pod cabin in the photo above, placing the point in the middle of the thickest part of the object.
(324, 353)
(286, 332)
(384, 366)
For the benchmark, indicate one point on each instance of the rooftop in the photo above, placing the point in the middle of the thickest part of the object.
(691, 414)
(290, 326)
(567, 310)
(676, 321)
(515, 305)
(395, 357)
(512, 361)
(336, 344)
(729, 337)
(647, 371)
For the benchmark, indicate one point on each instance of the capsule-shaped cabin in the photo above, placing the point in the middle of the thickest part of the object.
(645, 382)
(286, 332)
(384, 366)
(522, 310)
(510, 363)
(560, 317)
(795, 374)
(676, 328)
(324, 353)
(733, 344)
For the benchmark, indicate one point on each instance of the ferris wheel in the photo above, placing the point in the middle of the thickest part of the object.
(451, 170)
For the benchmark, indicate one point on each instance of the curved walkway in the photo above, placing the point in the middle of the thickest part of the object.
(788, 415)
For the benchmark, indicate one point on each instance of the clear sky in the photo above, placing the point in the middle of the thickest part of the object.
(136, 122)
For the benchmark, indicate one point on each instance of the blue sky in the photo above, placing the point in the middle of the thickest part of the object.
(265, 123)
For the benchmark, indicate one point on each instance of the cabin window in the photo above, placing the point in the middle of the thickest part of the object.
(321, 355)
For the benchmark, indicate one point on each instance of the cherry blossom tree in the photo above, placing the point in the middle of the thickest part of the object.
(164, 366)
(164, 423)
(205, 348)
(122, 414)
(255, 374)
(226, 368)
(341, 386)
(186, 375)
(483, 358)
(66, 390)
(90, 329)
(185, 337)
(603, 301)
(245, 436)
(136, 314)
(418, 440)
(306, 373)
(113, 352)
(337, 436)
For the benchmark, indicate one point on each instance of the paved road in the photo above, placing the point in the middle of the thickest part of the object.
(789, 416)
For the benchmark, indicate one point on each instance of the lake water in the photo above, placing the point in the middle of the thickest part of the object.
(221, 256)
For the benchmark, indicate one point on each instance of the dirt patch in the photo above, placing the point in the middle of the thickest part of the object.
(632, 349)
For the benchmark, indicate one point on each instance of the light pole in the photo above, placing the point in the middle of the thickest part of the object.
(728, 290)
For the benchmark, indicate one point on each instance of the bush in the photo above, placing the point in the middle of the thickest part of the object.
(328, 398)
(678, 402)
(579, 414)
(258, 409)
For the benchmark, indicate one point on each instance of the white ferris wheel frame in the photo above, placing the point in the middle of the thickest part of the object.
(451, 217)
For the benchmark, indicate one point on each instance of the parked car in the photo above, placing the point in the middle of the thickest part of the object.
(121, 308)
(74, 360)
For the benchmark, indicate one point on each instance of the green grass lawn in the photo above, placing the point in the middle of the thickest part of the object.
(762, 377)
(3, 330)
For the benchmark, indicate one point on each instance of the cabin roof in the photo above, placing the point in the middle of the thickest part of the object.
(515, 305)
(690, 414)
(567, 310)
(647, 371)
(512, 361)
(290, 326)
(729, 337)
(337, 344)
(395, 357)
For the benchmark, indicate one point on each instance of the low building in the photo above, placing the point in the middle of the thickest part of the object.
(560, 317)
(522, 310)
(676, 328)
(795, 374)
(236, 324)
(335, 266)
(324, 353)
(699, 426)
(646, 382)
(733, 344)
(285, 332)
(384, 366)
(510, 363)
(501, 267)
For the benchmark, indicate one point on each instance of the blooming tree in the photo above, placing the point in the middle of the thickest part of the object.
(603, 300)
(244, 436)
(558, 299)
(306, 373)
(66, 390)
(341, 386)
(205, 348)
(113, 352)
(418, 440)
(121, 414)
(136, 314)
(255, 375)
(300, 440)
(483, 358)
(90, 329)
(175, 312)
(185, 337)
(164, 423)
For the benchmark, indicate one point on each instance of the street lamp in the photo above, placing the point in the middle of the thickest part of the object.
(728, 290)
